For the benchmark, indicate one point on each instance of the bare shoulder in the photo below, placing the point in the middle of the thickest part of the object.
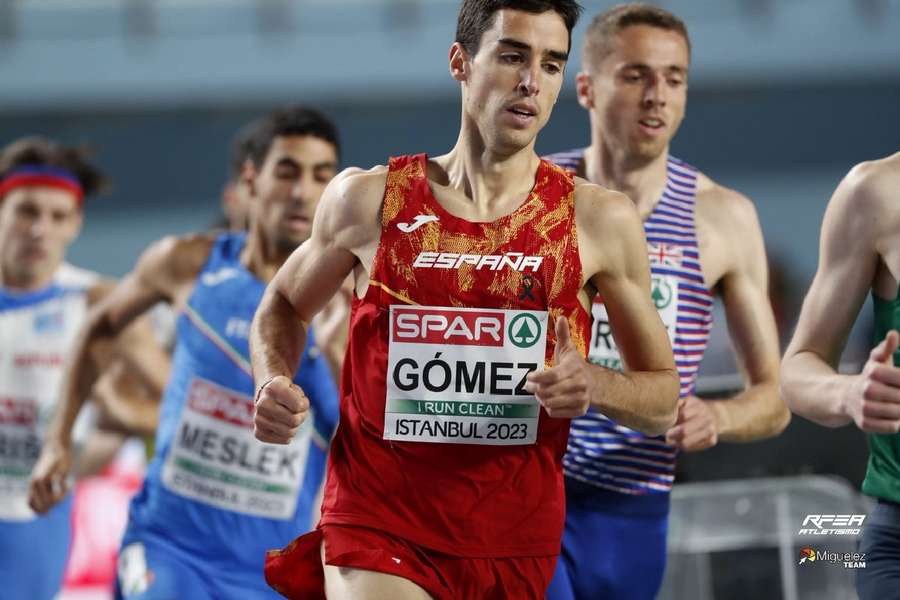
(865, 203)
(174, 260)
(100, 289)
(352, 202)
(864, 209)
(361, 184)
(876, 184)
(598, 209)
(725, 209)
(610, 233)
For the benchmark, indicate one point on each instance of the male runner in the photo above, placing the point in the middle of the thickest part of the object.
(214, 498)
(474, 272)
(858, 252)
(703, 240)
(331, 322)
(43, 301)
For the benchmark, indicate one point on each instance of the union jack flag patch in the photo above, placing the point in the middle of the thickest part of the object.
(664, 254)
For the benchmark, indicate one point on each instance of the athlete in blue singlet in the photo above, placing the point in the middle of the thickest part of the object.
(215, 499)
(43, 302)
(702, 239)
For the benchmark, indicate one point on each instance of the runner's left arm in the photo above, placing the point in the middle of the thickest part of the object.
(758, 411)
(614, 260)
(134, 374)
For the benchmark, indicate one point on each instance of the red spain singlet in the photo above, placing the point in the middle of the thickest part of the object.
(438, 442)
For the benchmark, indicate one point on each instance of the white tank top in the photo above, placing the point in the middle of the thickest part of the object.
(37, 330)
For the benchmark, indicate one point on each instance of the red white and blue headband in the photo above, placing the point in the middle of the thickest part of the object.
(33, 175)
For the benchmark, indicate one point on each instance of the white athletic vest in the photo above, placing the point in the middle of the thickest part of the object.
(37, 330)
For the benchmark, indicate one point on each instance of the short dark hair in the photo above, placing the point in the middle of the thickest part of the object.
(39, 151)
(291, 120)
(241, 148)
(606, 25)
(477, 16)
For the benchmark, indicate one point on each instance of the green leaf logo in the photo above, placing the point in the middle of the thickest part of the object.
(661, 293)
(524, 330)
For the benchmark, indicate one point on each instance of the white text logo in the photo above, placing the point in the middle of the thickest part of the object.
(217, 277)
(494, 262)
(417, 222)
(832, 525)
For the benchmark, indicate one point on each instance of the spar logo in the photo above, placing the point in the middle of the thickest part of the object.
(448, 326)
(220, 403)
(524, 330)
(15, 411)
(661, 293)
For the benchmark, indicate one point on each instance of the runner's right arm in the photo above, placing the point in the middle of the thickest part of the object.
(345, 233)
(156, 277)
(332, 327)
(849, 259)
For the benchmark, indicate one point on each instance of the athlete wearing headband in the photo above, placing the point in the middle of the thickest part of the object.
(42, 176)
(43, 301)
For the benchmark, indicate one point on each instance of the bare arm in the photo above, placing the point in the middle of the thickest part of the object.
(342, 229)
(848, 260)
(138, 348)
(154, 279)
(126, 405)
(614, 259)
(332, 326)
(758, 411)
(135, 371)
(643, 396)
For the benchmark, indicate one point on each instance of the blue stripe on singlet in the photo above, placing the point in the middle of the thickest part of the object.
(600, 452)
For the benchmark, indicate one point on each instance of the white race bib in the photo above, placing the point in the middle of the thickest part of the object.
(603, 350)
(20, 446)
(215, 459)
(457, 375)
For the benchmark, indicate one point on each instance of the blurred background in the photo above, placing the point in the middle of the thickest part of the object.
(785, 96)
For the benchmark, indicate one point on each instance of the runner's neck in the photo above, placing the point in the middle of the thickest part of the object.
(261, 259)
(641, 180)
(488, 178)
(26, 282)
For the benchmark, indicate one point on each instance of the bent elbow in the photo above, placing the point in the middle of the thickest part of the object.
(659, 424)
(779, 414)
(779, 420)
(788, 397)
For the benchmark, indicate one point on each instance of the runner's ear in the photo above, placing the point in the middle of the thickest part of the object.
(458, 61)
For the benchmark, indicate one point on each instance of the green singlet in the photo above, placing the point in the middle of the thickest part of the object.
(883, 471)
